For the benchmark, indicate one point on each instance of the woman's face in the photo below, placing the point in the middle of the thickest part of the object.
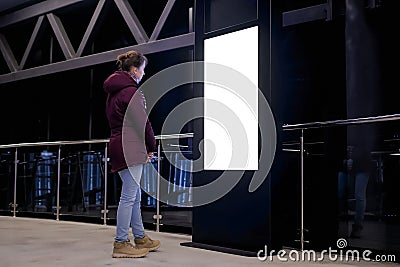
(139, 72)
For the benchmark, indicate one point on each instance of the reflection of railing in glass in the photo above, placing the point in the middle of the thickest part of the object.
(180, 179)
(149, 183)
(177, 168)
(43, 189)
(91, 178)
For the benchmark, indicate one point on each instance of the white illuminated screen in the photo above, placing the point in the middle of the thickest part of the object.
(231, 112)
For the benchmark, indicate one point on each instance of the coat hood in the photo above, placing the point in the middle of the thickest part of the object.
(118, 81)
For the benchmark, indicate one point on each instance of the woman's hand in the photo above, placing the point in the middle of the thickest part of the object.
(149, 156)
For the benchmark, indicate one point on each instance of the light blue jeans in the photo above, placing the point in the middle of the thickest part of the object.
(129, 212)
(360, 193)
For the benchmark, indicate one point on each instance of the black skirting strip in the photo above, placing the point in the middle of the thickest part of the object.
(220, 249)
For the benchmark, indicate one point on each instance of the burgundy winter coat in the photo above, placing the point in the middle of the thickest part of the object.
(132, 136)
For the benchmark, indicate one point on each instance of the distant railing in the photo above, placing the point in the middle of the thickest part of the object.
(105, 160)
(324, 124)
(309, 125)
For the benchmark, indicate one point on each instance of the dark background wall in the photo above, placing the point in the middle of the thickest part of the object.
(308, 85)
(329, 69)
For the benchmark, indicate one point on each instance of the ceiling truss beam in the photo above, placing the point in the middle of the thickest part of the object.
(74, 60)
(180, 41)
(34, 11)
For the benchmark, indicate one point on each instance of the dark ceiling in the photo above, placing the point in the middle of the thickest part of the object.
(8, 4)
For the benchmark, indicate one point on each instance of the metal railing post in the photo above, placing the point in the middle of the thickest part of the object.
(302, 189)
(158, 185)
(58, 183)
(105, 210)
(15, 182)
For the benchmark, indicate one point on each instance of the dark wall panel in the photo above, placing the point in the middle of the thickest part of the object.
(219, 14)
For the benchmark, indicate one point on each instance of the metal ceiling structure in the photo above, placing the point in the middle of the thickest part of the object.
(8, 4)
(44, 11)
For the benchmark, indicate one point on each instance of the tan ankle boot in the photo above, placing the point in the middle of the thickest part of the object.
(127, 250)
(147, 242)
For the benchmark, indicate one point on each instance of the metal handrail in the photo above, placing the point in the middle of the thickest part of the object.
(310, 125)
(93, 141)
(331, 123)
(173, 136)
(55, 143)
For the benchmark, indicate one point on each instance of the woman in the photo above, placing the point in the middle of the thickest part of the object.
(132, 144)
